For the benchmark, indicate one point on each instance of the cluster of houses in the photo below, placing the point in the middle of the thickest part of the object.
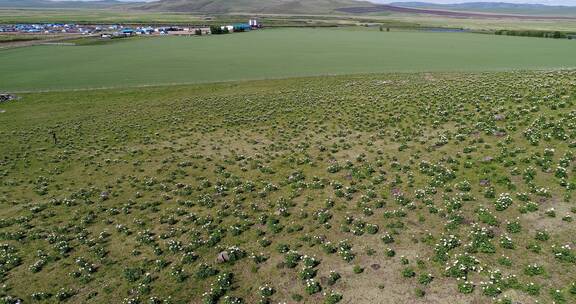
(187, 31)
(111, 31)
(51, 28)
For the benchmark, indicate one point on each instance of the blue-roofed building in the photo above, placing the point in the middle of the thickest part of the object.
(128, 32)
(241, 27)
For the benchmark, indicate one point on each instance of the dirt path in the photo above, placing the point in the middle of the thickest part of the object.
(52, 40)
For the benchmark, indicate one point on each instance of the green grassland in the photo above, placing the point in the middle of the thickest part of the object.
(269, 54)
(384, 188)
(502, 8)
(553, 11)
(9, 39)
(12, 38)
(481, 24)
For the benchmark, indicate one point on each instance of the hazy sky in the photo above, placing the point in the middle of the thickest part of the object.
(549, 2)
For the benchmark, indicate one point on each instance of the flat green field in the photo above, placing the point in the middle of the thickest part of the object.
(272, 54)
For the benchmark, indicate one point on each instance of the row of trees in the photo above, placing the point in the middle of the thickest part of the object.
(541, 34)
(217, 30)
(382, 28)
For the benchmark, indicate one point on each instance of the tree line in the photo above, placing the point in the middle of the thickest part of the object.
(532, 33)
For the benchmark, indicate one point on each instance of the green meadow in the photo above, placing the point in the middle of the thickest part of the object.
(384, 188)
(274, 53)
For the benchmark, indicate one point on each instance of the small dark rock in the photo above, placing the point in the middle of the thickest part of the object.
(7, 97)
(375, 266)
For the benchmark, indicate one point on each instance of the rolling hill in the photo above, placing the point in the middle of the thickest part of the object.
(254, 6)
(464, 10)
(470, 10)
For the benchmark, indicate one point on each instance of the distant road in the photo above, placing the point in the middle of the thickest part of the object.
(445, 13)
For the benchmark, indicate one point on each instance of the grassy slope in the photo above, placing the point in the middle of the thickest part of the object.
(160, 152)
(11, 16)
(272, 54)
(253, 6)
(484, 24)
(12, 38)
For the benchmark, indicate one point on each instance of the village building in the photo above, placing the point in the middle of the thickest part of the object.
(115, 30)
(191, 31)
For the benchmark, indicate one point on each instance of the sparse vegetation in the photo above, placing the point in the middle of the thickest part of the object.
(305, 190)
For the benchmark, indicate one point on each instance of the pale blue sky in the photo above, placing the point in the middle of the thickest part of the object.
(548, 2)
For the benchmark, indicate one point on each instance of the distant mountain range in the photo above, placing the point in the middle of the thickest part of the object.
(492, 7)
(59, 4)
(296, 6)
(331, 6)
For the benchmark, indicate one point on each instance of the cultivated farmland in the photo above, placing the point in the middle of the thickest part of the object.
(387, 188)
(272, 54)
